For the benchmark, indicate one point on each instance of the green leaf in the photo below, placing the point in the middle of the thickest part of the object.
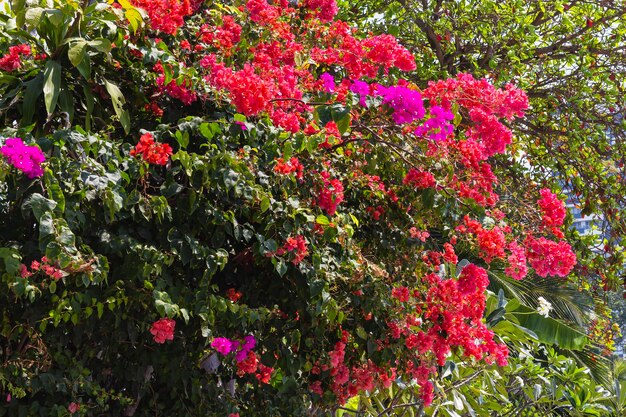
(34, 89)
(11, 260)
(52, 85)
(281, 267)
(134, 18)
(76, 52)
(101, 45)
(39, 205)
(551, 331)
(323, 220)
(343, 124)
(54, 191)
(118, 104)
(208, 130)
(265, 204)
(33, 16)
(84, 67)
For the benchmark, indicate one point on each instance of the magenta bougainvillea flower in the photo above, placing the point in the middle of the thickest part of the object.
(27, 159)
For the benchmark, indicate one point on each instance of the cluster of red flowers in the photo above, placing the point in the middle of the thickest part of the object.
(293, 166)
(491, 242)
(178, 89)
(419, 179)
(12, 60)
(295, 245)
(452, 313)
(163, 329)
(517, 268)
(223, 37)
(151, 151)
(330, 194)
(46, 266)
(233, 295)
(486, 135)
(323, 9)
(165, 15)
(548, 257)
(348, 381)
(485, 104)
(273, 81)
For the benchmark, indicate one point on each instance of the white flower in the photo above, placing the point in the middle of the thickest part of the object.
(544, 307)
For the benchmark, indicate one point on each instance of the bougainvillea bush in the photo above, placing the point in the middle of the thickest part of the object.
(244, 209)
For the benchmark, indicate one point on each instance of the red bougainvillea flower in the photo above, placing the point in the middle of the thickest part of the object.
(73, 408)
(12, 60)
(552, 209)
(419, 179)
(548, 257)
(233, 295)
(165, 15)
(163, 329)
(151, 151)
(297, 245)
(292, 166)
(330, 194)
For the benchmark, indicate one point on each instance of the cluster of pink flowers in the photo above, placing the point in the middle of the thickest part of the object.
(293, 166)
(330, 194)
(241, 348)
(27, 159)
(552, 209)
(247, 361)
(12, 60)
(438, 126)
(73, 407)
(419, 234)
(406, 103)
(328, 82)
(163, 329)
(295, 245)
(165, 15)
(261, 12)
